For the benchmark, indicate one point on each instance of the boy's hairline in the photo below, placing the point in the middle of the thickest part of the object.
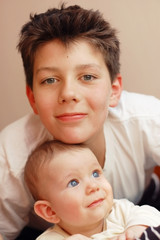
(68, 39)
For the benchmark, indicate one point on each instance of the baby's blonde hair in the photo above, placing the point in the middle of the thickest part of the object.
(39, 159)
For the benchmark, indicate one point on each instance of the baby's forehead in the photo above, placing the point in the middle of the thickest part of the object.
(75, 151)
(76, 155)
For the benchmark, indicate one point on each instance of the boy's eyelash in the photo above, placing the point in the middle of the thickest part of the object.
(88, 77)
(48, 79)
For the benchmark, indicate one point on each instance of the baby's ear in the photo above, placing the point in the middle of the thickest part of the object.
(44, 210)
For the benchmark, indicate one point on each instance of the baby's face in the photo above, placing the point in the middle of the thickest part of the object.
(77, 189)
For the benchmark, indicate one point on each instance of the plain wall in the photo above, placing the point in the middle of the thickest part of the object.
(138, 23)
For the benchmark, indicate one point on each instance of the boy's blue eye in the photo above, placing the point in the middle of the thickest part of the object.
(95, 174)
(73, 183)
(49, 80)
(88, 77)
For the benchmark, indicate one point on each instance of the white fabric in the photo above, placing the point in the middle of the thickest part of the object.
(132, 133)
(124, 214)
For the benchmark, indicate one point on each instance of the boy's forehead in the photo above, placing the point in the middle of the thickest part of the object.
(54, 52)
(70, 44)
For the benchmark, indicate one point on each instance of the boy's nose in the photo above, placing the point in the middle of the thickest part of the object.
(91, 187)
(68, 93)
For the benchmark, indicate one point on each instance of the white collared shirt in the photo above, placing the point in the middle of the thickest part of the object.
(132, 133)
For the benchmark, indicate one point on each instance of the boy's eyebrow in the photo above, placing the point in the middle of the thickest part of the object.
(78, 67)
(85, 66)
(50, 69)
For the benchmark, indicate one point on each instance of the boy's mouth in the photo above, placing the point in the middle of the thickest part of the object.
(71, 116)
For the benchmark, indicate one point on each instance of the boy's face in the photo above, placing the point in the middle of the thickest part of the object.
(77, 189)
(71, 90)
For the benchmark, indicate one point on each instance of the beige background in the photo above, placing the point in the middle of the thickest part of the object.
(138, 22)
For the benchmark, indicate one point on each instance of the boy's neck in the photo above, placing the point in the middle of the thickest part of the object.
(98, 146)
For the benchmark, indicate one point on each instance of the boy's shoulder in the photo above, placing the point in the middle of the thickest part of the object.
(25, 127)
(24, 134)
(135, 105)
(20, 123)
(19, 138)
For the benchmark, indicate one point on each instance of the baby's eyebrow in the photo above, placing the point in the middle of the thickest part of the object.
(68, 177)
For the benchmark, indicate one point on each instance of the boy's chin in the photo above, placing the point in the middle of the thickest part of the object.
(72, 138)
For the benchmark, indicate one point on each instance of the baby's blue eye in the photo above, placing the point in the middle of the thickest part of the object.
(95, 174)
(73, 183)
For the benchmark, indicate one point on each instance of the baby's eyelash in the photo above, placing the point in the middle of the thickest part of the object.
(73, 183)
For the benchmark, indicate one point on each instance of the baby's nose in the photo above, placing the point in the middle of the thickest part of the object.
(91, 187)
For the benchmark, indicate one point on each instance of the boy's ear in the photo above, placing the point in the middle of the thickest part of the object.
(31, 99)
(116, 91)
(44, 210)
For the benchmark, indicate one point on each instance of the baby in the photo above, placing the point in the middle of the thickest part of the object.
(70, 191)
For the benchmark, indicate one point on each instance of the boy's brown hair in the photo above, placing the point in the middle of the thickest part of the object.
(69, 24)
